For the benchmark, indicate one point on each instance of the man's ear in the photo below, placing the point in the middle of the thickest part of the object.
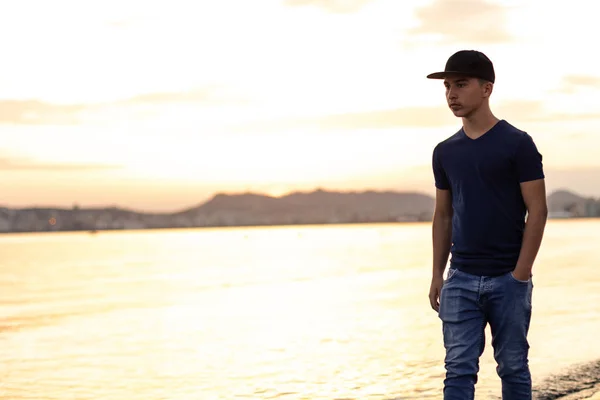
(488, 88)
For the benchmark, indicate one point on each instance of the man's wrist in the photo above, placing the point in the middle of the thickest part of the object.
(524, 272)
(438, 273)
(523, 268)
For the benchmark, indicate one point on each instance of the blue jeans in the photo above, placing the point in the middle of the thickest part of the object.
(467, 304)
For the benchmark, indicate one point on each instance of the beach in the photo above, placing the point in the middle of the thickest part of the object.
(578, 382)
(588, 394)
(592, 394)
(293, 312)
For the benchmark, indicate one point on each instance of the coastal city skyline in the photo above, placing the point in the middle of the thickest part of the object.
(161, 106)
(300, 208)
(41, 204)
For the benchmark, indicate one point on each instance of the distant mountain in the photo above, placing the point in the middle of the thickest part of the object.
(318, 206)
(252, 209)
(321, 206)
(561, 199)
(566, 203)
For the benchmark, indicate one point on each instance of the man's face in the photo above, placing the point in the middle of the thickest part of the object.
(465, 95)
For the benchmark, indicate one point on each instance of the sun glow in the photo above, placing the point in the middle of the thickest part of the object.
(203, 95)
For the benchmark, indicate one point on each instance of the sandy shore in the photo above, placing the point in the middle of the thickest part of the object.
(581, 382)
(589, 394)
(597, 395)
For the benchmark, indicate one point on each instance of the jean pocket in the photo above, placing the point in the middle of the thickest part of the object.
(518, 280)
(451, 273)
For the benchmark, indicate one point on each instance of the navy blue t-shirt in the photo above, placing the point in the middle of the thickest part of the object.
(484, 177)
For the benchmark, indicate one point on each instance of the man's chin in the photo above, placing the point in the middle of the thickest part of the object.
(461, 112)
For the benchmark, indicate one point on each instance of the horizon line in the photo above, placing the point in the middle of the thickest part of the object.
(248, 192)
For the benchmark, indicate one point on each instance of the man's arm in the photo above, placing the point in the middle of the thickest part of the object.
(441, 231)
(534, 195)
(442, 238)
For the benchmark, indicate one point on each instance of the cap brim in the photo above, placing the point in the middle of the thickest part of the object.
(444, 74)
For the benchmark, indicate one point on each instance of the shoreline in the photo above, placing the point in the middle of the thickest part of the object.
(256, 226)
(589, 394)
(582, 381)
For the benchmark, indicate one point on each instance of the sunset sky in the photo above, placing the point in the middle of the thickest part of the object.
(157, 105)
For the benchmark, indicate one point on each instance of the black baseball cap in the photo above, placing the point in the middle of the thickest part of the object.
(470, 63)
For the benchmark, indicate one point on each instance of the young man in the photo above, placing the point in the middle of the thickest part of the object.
(488, 177)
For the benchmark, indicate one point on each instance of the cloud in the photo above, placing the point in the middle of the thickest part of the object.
(469, 21)
(33, 112)
(418, 117)
(582, 80)
(36, 112)
(12, 164)
(411, 116)
(333, 6)
(167, 97)
(207, 95)
(571, 83)
(534, 111)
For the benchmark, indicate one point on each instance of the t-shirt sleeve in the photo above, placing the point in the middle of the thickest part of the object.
(528, 160)
(439, 175)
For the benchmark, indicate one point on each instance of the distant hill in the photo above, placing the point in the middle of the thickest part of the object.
(321, 206)
(253, 209)
(318, 206)
(562, 199)
(566, 203)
